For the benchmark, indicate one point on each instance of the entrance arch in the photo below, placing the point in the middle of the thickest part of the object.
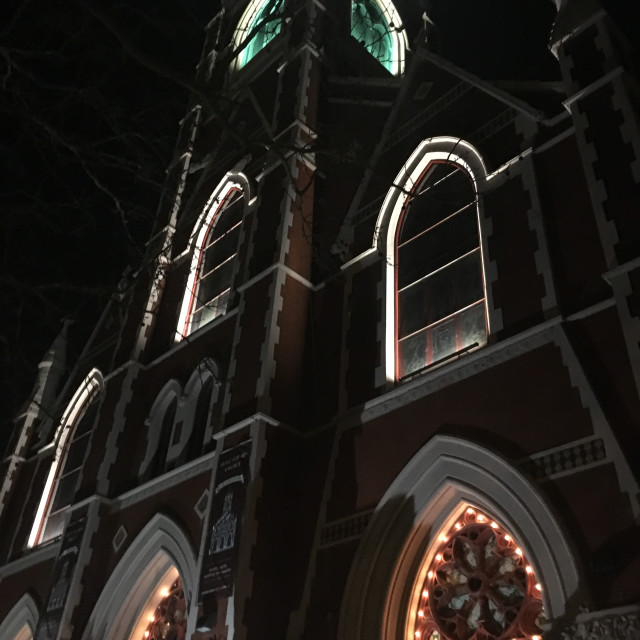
(446, 477)
(159, 555)
(21, 621)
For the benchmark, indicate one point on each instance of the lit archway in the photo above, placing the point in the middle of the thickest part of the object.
(446, 477)
(159, 563)
(64, 473)
(436, 163)
(21, 621)
(377, 25)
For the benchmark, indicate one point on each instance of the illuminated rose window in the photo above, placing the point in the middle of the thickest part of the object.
(479, 586)
(169, 620)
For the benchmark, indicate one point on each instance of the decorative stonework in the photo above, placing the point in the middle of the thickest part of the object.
(344, 529)
(119, 538)
(608, 627)
(479, 586)
(566, 459)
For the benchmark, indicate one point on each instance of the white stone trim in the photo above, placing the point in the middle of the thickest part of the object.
(445, 148)
(232, 181)
(445, 476)
(159, 551)
(86, 393)
(21, 621)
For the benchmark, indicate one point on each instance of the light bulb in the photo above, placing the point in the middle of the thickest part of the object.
(518, 551)
(425, 594)
(528, 569)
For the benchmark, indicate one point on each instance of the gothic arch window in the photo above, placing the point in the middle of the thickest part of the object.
(154, 581)
(459, 532)
(260, 24)
(215, 245)
(435, 287)
(377, 25)
(72, 440)
(475, 583)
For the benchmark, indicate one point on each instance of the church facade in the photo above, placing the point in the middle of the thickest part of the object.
(378, 376)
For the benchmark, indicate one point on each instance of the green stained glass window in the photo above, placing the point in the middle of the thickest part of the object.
(370, 27)
(267, 30)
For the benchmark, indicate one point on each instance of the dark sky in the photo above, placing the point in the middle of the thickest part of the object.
(87, 132)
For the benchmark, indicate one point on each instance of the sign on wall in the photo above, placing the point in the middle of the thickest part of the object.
(225, 518)
(49, 622)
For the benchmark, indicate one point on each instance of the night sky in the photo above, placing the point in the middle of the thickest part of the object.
(87, 132)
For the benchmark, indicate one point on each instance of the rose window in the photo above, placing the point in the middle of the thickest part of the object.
(479, 586)
(169, 620)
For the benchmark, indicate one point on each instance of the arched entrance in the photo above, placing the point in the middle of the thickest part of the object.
(151, 588)
(21, 621)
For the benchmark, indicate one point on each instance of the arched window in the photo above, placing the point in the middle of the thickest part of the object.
(377, 25)
(476, 584)
(435, 291)
(461, 546)
(153, 584)
(261, 22)
(72, 444)
(440, 288)
(217, 233)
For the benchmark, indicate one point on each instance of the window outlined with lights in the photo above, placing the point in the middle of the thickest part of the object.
(260, 23)
(153, 581)
(377, 25)
(429, 232)
(214, 244)
(475, 583)
(71, 441)
(452, 481)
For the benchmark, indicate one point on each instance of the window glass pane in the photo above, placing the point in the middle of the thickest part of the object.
(214, 283)
(443, 337)
(428, 346)
(212, 310)
(230, 215)
(86, 422)
(437, 247)
(56, 523)
(440, 294)
(370, 27)
(444, 191)
(412, 352)
(220, 250)
(76, 454)
(65, 490)
(473, 326)
(267, 31)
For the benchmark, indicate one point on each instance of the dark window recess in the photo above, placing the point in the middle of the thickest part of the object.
(165, 437)
(201, 418)
(440, 290)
